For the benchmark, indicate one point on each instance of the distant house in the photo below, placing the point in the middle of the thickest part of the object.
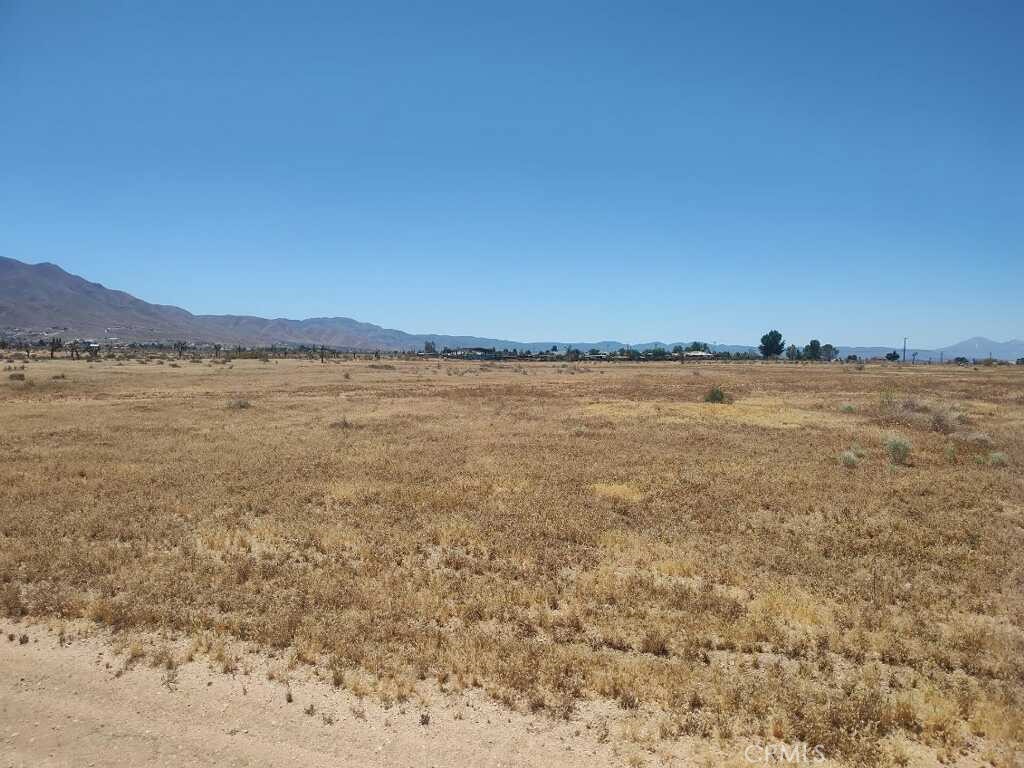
(698, 355)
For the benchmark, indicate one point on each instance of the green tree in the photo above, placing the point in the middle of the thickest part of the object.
(829, 353)
(792, 352)
(698, 346)
(813, 350)
(893, 356)
(772, 344)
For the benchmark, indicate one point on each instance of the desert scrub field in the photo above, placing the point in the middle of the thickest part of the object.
(724, 552)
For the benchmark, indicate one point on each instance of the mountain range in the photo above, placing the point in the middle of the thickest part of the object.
(37, 300)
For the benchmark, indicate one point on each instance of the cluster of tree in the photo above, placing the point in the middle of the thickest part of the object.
(74, 348)
(813, 350)
(693, 346)
(773, 345)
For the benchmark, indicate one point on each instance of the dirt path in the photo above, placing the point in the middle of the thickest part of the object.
(74, 704)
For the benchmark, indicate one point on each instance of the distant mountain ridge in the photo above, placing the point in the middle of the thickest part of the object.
(41, 299)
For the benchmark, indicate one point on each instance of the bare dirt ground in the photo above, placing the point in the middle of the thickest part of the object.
(74, 702)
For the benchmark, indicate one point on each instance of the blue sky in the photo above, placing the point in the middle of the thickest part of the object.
(573, 171)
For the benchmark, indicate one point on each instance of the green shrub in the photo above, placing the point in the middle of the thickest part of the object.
(998, 459)
(849, 459)
(715, 395)
(848, 408)
(899, 449)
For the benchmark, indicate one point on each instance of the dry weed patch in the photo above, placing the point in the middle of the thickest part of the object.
(586, 536)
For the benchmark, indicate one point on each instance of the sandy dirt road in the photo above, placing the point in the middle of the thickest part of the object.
(75, 704)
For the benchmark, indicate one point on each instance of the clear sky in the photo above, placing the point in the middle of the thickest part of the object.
(530, 170)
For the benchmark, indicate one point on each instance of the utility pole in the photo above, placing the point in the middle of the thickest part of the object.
(904, 349)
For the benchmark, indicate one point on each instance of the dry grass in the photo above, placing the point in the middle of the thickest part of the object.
(553, 539)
